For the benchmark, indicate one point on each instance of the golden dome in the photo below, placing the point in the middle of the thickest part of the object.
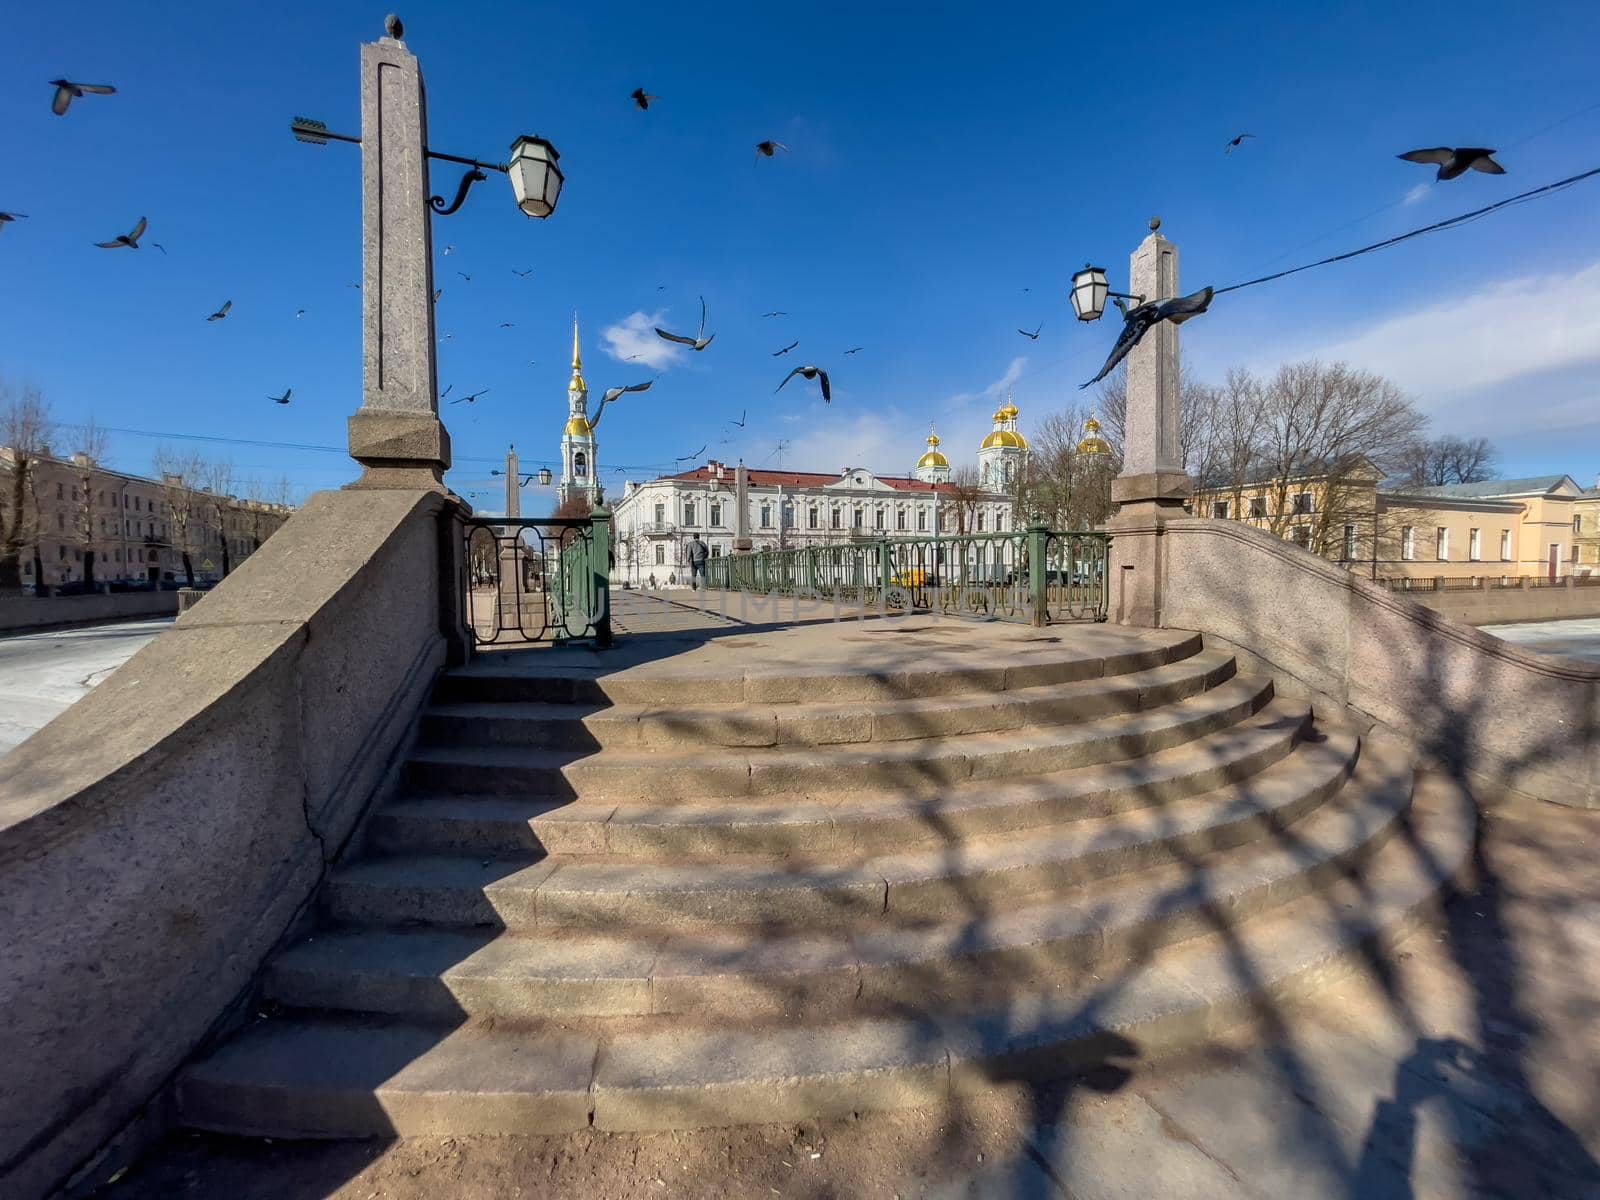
(578, 427)
(1092, 442)
(1004, 437)
(1010, 412)
(933, 458)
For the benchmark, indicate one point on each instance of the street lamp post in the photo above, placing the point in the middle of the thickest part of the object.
(396, 435)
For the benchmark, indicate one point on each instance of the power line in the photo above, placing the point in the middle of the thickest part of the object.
(1448, 223)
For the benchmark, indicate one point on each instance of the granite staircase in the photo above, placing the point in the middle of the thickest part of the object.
(688, 893)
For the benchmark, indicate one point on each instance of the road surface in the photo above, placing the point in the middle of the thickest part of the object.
(42, 674)
(1579, 638)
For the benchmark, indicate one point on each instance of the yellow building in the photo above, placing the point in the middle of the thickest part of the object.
(1586, 531)
(1498, 528)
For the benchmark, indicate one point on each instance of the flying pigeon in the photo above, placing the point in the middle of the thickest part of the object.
(785, 350)
(699, 341)
(856, 350)
(1235, 143)
(437, 292)
(67, 91)
(449, 249)
(446, 391)
(1034, 336)
(616, 392)
(5, 216)
(507, 325)
(775, 313)
(810, 372)
(769, 148)
(283, 399)
(1136, 322)
(1456, 162)
(298, 313)
(357, 286)
(642, 98)
(691, 457)
(159, 247)
(465, 276)
(127, 239)
(522, 274)
(469, 399)
(221, 312)
(743, 413)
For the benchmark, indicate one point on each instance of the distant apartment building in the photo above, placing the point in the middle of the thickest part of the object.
(76, 506)
(1496, 529)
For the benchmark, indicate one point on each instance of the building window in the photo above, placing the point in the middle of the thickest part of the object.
(1505, 545)
(688, 512)
(766, 516)
(1258, 506)
(811, 518)
(787, 516)
(661, 555)
(856, 522)
(61, 521)
(1441, 544)
(1474, 544)
(922, 520)
(978, 525)
(58, 492)
(836, 518)
(1577, 523)
(900, 520)
(1349, 543)
(716, 513)
(1303, 503)
(1301, 536)
(877, 519)
(580, 465)
(1219, 509)
(661, 514)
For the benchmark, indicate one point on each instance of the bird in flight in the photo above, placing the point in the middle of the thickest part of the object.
(449, 249)
(283, 399)
(743, 413)
(1235, 143)
(810, 372)
(130, 240)
(357, 286)
(465, 276)
(67, 91)
(522, 274)
(616, 392)
(631, 357)
(775, 313)
(437, 292)
(5, 216)
(699, 341)
(159, 247)
(785, 350)
(691, 457)
(642, 98)
(770, 148)
(469, 399)
(1034, 336)
(857, 350)
(445, 337)
(1453, 162)
(221, 312)
(507, 325)
(298, 313)
(1136, 322)
(446, 392)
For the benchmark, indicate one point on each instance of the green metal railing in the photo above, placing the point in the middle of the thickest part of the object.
(535, 579)
(1036, 574)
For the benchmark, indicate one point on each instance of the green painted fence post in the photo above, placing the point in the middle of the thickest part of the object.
(884, 572)
(599, 568)
(1039, 569)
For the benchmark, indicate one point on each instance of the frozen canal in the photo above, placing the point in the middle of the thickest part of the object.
(43, 673)
(1578, 638)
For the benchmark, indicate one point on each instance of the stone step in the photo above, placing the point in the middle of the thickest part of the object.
(795, 824)
(692, 722)
(317, 1076)
(954, 964)
(1037, 658)
(673, 775)
(944, 880)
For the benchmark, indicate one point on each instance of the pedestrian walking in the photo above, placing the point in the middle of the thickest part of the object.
(698, 553)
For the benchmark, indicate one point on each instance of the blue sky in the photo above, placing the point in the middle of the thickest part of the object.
(950, 166)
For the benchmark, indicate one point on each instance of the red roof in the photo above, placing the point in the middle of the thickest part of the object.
(760, 478)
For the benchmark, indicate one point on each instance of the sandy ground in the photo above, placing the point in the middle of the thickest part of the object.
(1465, 1065)
(43, 674)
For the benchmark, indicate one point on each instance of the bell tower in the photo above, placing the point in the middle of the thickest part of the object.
(1002, 454)
(580, 473)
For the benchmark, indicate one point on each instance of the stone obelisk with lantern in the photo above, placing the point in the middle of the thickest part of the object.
(1153, 486)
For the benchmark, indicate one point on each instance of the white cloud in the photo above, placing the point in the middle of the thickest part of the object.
(1507, 329)
(866, 440)
(990, 391)
(634, 339)
(1416, 194)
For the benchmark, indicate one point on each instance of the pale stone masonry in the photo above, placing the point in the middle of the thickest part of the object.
(130, 525)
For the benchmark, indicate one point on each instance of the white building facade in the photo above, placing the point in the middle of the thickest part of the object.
(652, 522)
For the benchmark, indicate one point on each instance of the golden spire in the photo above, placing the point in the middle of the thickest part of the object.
(933, 437)
(577, 383)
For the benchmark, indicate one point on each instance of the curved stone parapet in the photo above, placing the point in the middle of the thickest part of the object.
(1470, 702)
(163, 834)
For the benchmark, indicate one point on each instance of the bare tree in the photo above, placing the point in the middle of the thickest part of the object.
(965, 493)
(180, 475)
(216, 509)
(1436, 462)
(90, 444)
(25, 426)
(1068, 488)
(268, 508)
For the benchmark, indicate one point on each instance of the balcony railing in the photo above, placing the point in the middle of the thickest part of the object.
(1037, 573)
